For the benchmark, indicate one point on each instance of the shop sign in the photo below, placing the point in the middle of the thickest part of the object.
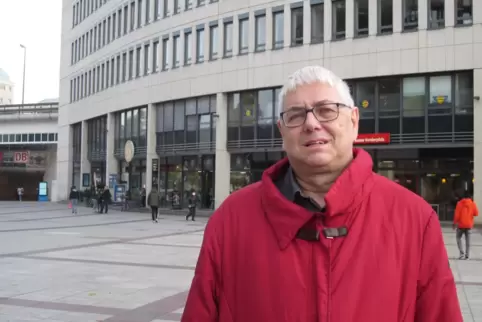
(365, 103)
(373, 138)
(21, 157)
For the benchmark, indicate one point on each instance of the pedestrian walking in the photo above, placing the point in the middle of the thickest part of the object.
(154, 200)
(74, 197)
(192, 206)
(465, 211)
(106, 197)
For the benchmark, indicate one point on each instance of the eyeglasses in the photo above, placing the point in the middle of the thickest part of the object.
(323, 112)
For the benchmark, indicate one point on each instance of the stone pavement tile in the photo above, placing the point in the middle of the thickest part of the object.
(77, 317)
(25, 313)
(191, 240)
(137, 254)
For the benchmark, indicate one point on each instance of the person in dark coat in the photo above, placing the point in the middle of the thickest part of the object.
(153, 200)
(106, 199)
(74, 197)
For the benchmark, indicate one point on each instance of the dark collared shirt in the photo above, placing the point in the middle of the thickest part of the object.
(289, 187)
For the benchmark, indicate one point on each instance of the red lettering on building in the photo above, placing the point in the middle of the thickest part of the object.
(21, 157)
(375, 138)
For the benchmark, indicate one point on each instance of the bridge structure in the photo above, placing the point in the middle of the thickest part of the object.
(28, 148)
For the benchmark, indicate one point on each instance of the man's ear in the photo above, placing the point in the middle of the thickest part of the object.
(355, 120)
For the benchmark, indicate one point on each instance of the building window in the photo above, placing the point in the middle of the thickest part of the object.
(338, 16)
(361, 18)
(117, 70)
(166, 8)
(410, 14)
(108, 29)
(165, 53)
(213, 41)
(200, 45)
(436, 14)
(228, 39)
(187, 48)
(126, 16)
(155, 57)
(365, 100)
(157, 9)
(139, 13)
(112, 78)
(133, 15)
(200, 3)
(188, 4)
(98, 79)
(440, 90)
(138, 61)
(148, 11)
(317, 23)
(176, 51)
(464, 95)
(124, 67)
(119, 23)
(385, 16)
(278, 30)
(131, 64)
(146, 59)
(464, 12)
(389, 105)
(414, 103)
(243, 36)
(260, 37)
(177, 6)
(114, 25)
(440, 106)
(107, 75)
(297, 26)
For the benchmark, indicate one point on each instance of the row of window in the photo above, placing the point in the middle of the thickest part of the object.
(177, 48)
(129, 17)
(131, 125)
(29, 138)
(436, 104)
(83, 8)
(5, 88)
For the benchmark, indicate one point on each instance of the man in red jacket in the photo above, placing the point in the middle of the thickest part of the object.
(322, 237)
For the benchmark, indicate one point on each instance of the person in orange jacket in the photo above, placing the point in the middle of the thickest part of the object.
(465, 211)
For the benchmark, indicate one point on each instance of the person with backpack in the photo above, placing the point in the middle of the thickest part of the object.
(465, 211)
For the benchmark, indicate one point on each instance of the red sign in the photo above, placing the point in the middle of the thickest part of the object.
(21, 157)
(375, 138)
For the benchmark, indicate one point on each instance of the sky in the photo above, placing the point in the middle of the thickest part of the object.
(35, 24)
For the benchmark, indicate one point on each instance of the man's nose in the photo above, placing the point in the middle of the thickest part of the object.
(311, 123)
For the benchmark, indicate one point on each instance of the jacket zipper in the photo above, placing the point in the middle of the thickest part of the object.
(328, 309)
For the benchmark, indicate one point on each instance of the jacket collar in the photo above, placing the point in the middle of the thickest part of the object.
(286, 217)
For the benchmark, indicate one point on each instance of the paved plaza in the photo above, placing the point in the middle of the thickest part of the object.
(121, 267)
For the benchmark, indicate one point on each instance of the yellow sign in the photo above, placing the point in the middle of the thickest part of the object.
(248, 112)
(365, 103)
(440, 99)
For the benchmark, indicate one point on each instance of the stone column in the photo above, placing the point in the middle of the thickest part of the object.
(478, 141)
(223, 158)
(84, 161)
(60, 188)
(111, 163)
(151, 147)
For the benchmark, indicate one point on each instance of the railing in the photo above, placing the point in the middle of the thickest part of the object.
(186, 147)
(38, 108)
(395, 139)
(139, 151)
(97, 155)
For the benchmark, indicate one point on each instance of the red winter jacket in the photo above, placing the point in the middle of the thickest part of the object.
(391, 267)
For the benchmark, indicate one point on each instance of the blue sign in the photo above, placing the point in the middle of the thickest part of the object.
(43, 194)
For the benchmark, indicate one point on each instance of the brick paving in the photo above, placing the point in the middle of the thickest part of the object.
(122, 267)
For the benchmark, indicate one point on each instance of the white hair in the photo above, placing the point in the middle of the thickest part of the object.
(315, 74)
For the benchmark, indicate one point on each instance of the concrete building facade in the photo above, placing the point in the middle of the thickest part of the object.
(190, 87)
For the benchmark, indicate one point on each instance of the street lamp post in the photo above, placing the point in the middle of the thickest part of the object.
(24, 63)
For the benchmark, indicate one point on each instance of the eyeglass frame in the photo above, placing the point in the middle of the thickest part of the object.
(310, 110)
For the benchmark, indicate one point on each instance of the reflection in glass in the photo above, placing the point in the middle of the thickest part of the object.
(278, 30)
(205, 128)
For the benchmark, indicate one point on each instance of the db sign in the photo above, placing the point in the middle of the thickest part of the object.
(21, 157)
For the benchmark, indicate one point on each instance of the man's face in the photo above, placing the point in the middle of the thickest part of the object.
(315, 143)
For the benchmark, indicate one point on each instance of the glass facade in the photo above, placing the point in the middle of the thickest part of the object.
(76, 154)
(417, 109)
(97, 148)
(179, 176)
(252, 117)
(186, 126)
(132, 125)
